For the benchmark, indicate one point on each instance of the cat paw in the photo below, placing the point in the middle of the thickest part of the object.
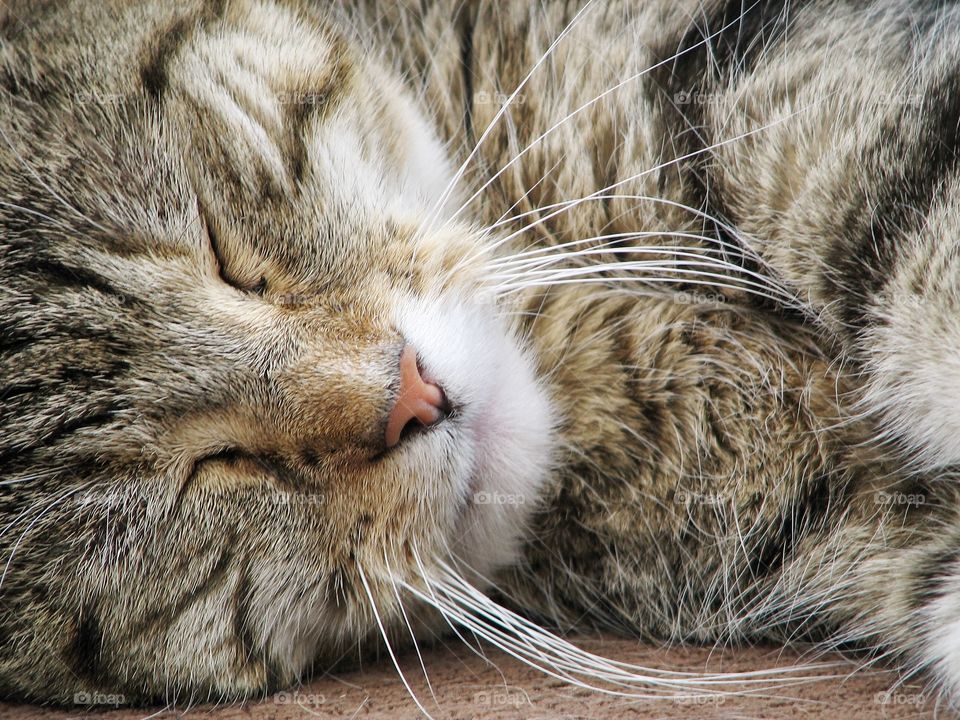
(912, 362)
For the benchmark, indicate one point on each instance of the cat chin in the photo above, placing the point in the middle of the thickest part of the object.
(507, 422)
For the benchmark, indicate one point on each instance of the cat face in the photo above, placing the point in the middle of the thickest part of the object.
(215, 258)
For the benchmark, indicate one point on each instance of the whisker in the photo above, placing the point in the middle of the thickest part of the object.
(594, 100)
(524, 267)
(445, 195)
(456, 631)
(53, 503)
(626, 196)
(677, 266)
(406, 621)
(386, 640)
(535, 277)
(26, 166)
(35, 213)
(503, 217)
(584, 276)
(605, 244)
(636, 176)
(452, 577)
(562, 660)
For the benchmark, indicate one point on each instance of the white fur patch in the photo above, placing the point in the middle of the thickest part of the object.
(913, 369)
(506, 417)
(942, 649)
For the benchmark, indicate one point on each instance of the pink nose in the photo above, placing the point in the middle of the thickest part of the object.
(417, 400)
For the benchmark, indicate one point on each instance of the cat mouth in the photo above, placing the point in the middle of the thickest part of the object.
(480, 427)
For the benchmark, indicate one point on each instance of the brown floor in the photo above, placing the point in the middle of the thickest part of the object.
(465, 686)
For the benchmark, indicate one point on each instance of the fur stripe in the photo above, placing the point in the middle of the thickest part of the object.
(719, 46)
(742, 31)
(86, 650)
(212, 581)
(10, 458)
(865, 255)
(60, 275)
(311, 105)
(153, 72)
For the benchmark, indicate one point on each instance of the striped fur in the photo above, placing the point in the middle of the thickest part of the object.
(220, 222)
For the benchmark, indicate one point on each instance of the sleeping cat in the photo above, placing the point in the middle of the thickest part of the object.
(317, 320)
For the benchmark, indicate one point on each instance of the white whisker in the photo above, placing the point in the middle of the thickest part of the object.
(590, 103)
(49, 506)
(406, 620)
(524, 640)
(29, 168)
(445, 195)
(531, 267)
(636, 176)
(626, 196)
(386, 640)
(587, 276)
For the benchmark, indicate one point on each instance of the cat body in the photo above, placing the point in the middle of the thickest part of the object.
(684, 272)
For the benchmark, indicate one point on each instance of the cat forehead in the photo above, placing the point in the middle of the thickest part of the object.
(279, 106)
(300, 147)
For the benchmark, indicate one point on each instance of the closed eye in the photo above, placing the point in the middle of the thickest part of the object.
(226, 468)
(216, 253)
(234, 462)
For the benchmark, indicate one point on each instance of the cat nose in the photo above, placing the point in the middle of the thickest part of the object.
(418, 401)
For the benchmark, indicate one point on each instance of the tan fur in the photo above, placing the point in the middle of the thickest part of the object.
(222, 222)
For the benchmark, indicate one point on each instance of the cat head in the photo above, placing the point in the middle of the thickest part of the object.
(227, 264)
